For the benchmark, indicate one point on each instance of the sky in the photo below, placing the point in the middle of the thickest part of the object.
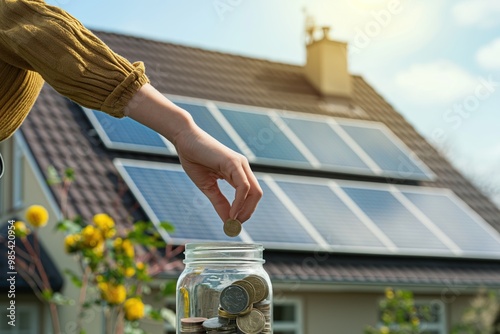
(436, 62)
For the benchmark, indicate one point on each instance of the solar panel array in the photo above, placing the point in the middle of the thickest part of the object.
(320, 214)
(280, 139)
(128, 135)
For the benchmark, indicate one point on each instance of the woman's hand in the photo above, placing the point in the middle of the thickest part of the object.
(204, 159)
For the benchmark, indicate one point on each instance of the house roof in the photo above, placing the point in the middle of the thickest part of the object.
(59, 134)
(382, 270)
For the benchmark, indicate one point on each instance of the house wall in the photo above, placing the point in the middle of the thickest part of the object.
(342, 312)
(35, 192)
(350, 312)
(6, 180)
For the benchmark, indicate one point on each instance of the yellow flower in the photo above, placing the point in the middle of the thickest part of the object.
(129, 272)
(20, 229)
(134, 309)
(112, 293)
(37, 215)
(105, 224)
(384, 330)
(99, 249)
(140, 266)
(389, 294)
(124, 246)
(91, 237)
(71, 242)
(128, 248)
(415, 321)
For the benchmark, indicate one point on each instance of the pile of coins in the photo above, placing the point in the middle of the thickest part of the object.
(243, 309)
(193, 325)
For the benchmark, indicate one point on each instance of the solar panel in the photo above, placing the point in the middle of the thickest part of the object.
(273, 225)
(327, 146)
(207, 122)
(316, 213)
(169, 195)
(285, 139)
(396, 221)
(265, 139)
(456, 220)
(127, 134)
(393, 160)
(333, 219)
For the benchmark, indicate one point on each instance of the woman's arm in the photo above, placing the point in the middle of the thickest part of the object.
(204, 159)
(38, 37)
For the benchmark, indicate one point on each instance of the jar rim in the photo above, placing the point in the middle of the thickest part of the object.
(223, 252)
(222, 246)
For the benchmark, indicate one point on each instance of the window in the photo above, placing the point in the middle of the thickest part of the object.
(436, 318)
(432, 316)
(287, 314)
(26, 321)
(17, 182)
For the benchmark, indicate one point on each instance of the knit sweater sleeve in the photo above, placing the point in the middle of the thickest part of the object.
(42, 38)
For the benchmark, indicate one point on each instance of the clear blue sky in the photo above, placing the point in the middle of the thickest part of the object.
(436, 62)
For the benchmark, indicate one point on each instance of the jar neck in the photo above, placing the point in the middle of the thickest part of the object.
(222, 252)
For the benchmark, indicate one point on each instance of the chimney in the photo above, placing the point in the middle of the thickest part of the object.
(326, 66)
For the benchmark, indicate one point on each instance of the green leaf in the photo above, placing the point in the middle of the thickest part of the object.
(87, 304)
(155, 315)
(140, 226)
(75, 279)
(60, 299)
(69, 226)
(168, 227)
(47, 294)
(53, 176)
(79, 221)
(169, 288)
(69, 174)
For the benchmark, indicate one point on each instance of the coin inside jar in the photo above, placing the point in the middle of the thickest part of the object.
(232, 227)
(234, 299)
(192, 325)
(260, 287)
(215, 323)
(252, 323)
(249, 288)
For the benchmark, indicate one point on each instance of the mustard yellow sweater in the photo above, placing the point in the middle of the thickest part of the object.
(40, 42)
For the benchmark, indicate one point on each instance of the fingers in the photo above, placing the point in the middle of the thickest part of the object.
(247, 192)
(218, 200)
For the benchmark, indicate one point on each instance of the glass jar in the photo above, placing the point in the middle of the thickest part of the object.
(224, 289)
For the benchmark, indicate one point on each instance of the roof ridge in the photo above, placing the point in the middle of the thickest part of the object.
(191, 47)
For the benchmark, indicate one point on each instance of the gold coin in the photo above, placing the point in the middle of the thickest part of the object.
(232, 227)
(227, 315)
(248, 287)
(252, 323)
(260, 286)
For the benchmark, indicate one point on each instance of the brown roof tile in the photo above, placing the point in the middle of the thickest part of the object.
(342, 268)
